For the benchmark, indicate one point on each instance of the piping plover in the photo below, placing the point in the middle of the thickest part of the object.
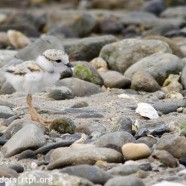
(34, 76)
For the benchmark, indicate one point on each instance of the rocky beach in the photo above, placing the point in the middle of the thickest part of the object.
(119, 117)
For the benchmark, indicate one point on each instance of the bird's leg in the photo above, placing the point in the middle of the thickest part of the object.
(33, 113)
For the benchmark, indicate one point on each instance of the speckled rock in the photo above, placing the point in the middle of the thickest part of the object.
(63, 125)
(143, 81)
(159, 65)
(122, 54)
(79, 87)
(89, 155)
(165, 157)
(172, 84)
(85, 71)
(134, 151)
(175, 145)
(114, 79)
(30, 136)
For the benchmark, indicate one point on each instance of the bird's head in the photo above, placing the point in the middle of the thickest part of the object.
(57, 57)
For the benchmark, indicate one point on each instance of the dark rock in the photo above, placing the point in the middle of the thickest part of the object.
(79, 87)
(165, 157)
(154, 6)
(183, 161)
(73, 156)
(115, 79)
(159, 65)
(85, 71)
(124, 123)
(63, 125)
(91, 173)
(152, 128)
(165, 107)
(122, 54)
(46, 148)
(125, 181)
(27, 154)
(143, 81)
(3, 141)
(17, 167)
(114, 140)
(145, 166)
(61, 93)
(87, 48)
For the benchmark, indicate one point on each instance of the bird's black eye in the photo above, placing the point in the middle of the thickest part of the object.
(58, 60)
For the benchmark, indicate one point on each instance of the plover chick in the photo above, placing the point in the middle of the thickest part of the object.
(34, 76)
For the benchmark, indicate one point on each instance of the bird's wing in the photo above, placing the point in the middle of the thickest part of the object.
(23, 68)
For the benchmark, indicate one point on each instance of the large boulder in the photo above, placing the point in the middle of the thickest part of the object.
(122, 54)
(159, 65)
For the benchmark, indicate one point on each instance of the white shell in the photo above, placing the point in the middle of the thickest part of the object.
(147, 110)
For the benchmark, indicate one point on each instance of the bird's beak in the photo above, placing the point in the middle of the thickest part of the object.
(69, 65)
